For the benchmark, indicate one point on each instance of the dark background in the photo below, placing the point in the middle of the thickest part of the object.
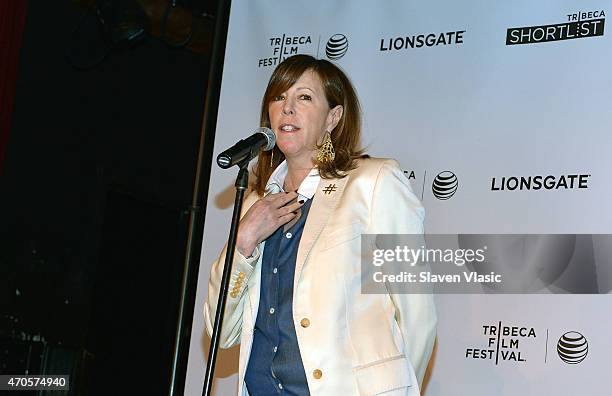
(94, 192)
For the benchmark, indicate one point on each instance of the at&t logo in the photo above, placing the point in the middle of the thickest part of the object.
(572, 347)
(336, 47)
(445, 185)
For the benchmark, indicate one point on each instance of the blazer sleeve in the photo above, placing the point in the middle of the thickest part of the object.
(242, 269)
(396, 210)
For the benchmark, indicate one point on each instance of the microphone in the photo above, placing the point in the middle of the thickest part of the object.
(247, 149)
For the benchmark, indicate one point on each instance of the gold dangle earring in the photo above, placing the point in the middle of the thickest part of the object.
(326, 151)
(272, 158)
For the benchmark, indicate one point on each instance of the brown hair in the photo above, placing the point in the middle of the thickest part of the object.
(346, 136)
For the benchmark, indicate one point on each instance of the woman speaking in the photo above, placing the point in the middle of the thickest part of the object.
(295, 304)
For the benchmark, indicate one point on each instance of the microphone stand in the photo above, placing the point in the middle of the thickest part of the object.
(242, 182)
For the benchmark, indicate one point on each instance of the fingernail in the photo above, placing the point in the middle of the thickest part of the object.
(301, 201)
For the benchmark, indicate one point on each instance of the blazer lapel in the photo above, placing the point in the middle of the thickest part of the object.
(329, 192)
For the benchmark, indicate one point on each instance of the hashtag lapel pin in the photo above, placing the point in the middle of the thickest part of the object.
(329, 189)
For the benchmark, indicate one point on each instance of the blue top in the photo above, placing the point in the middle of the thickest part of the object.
(275, 365)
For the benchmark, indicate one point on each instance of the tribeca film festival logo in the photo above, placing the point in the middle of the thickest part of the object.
(445, 185)
(421, 40)
(284, 46)
(336, 46)
(539, 182)
(581, 24)
(572, 347)
(503, 343)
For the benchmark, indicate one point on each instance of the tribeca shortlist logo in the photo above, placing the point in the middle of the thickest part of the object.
(445, 185)
(581, 24)
(336, 47)
(572, 347)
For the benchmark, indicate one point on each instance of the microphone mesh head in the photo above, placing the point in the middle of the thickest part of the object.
(270, 136)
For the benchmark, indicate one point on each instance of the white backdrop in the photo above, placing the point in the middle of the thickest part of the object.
(482, 110)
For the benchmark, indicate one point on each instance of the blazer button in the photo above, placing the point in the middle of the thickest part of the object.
(305, 322)
(317, 374)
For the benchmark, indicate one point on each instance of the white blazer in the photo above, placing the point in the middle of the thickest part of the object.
(351, 343)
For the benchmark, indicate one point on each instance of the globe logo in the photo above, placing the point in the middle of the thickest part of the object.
(572, 347)
(336, 46)
(445, 185)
